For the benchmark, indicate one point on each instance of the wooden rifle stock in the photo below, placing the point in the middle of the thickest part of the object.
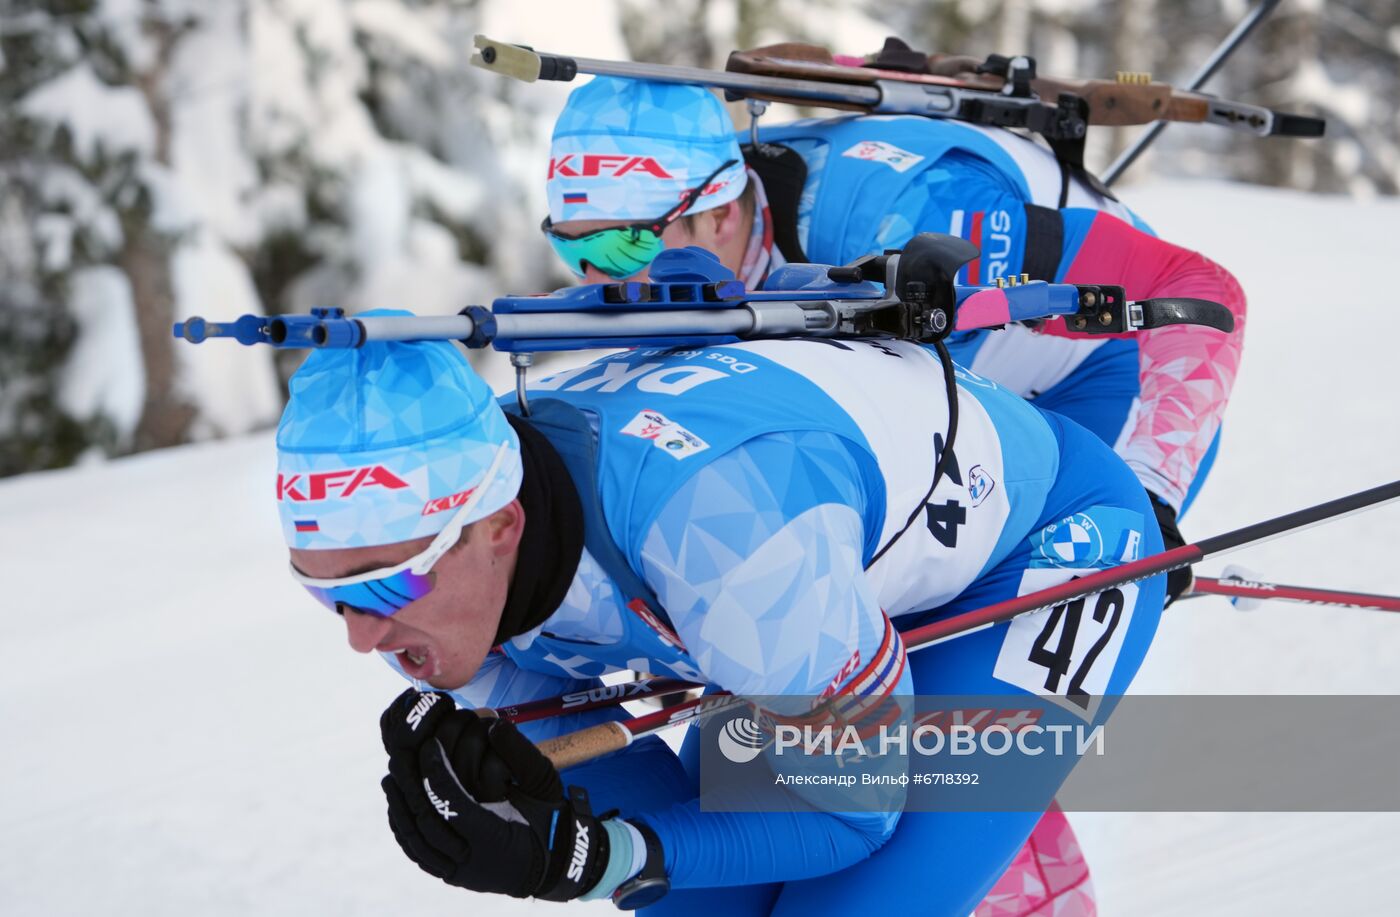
(1111, 102)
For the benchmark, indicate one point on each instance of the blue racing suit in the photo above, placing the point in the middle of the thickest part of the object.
(1158, 397)
(752, 487)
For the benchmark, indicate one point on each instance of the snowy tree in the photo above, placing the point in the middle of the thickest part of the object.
(1339, 59)
(702, 33)
(107, 130)
(164, 158)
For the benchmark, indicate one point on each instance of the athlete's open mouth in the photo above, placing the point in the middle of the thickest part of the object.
(417, 661)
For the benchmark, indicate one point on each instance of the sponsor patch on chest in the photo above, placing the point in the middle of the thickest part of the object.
(666, 435)
(888, 153)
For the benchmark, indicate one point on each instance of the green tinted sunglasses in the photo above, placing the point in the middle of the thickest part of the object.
(621, 251)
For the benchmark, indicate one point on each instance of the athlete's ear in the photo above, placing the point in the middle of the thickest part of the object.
(725, 230)
(727, 224)
(503, 528)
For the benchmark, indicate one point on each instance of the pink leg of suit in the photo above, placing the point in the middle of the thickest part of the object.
(1186, 371)
(1048, 878)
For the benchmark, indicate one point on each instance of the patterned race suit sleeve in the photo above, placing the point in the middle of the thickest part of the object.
(1185, 371)
(758, 560)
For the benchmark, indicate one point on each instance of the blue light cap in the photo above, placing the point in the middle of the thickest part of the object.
(630, 150)
(381, 443)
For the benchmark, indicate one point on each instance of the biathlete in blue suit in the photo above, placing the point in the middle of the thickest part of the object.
(625, 153)
(756, 517)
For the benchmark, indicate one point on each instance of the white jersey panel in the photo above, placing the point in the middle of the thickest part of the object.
(1029, 363)
(894, 392)
(1042, 174)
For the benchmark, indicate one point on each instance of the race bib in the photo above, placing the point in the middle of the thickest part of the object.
(1067, 653)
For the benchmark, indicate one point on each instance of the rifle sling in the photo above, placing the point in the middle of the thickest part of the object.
(783, 173)
(1045, 239)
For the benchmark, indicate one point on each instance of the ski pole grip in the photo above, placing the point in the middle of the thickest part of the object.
(585, 745)
(574, 748)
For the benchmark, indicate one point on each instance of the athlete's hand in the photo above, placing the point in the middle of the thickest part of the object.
(1180, 580)
(474, 803)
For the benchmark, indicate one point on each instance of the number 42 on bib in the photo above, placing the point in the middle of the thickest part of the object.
(1067, 653)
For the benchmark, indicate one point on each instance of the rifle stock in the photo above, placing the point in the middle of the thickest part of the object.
(1111, 102)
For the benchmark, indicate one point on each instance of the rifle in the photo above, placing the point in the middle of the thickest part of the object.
(1130, 98)
(998, 92)
(693, 300)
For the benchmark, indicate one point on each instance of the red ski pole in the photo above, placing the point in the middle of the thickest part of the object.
(586, 744)
(1235, 586)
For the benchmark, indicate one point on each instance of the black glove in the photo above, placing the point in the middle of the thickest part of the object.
(1180, 580)
(473, 802)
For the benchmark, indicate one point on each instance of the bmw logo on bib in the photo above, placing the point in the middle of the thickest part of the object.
(1073, 542)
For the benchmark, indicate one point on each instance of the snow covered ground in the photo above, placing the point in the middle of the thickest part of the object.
(185, 733)
(1315, 415)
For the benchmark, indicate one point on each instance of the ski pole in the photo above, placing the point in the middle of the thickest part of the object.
(1218, 57)
(586, 744)
(1228, 584)
(591, 699)
(1252, 589)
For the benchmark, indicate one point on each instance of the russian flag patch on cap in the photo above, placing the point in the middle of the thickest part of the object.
(575, 197)
(306, 525)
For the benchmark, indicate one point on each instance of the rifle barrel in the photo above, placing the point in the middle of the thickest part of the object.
(740, 83)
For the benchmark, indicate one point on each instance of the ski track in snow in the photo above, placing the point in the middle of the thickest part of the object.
(186, 733)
